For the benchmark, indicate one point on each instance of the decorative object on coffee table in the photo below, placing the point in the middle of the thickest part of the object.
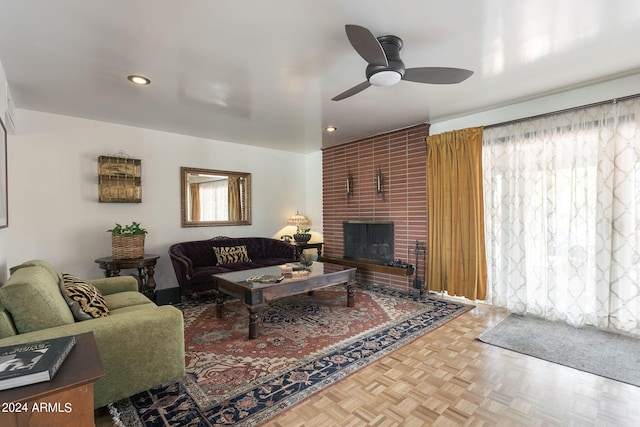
(127, 242)
(305, 260)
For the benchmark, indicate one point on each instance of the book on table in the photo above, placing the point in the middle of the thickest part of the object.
(34, 362)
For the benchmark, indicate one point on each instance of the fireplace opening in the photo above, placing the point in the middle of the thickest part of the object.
(369, 241)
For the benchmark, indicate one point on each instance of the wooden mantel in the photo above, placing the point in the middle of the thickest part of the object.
(369, 266)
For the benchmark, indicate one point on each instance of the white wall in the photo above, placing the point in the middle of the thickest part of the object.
(54, 213)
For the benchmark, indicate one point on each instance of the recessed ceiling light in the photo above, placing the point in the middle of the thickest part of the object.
(331, 129)
(138, 80)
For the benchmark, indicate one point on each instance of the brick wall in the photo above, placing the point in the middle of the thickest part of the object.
(401, 156)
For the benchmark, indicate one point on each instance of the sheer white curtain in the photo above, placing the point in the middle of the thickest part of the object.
(562, 206)
(214, 200)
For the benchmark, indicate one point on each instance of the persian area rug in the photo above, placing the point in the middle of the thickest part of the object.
(588, 349)
(307, 343)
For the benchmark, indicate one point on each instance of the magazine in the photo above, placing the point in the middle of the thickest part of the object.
(34, 362)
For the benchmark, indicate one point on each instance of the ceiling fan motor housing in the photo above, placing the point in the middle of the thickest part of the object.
(391, 46)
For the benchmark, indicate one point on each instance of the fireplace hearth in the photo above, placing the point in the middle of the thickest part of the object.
(370, 241)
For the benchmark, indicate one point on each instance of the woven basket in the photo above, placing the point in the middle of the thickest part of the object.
(127, 247)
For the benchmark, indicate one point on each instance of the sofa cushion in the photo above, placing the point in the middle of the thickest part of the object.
(125, 299)
(133, 308)
(7, 327)
(33, 298)
(84, 299)
(37, 263)
(231, 254)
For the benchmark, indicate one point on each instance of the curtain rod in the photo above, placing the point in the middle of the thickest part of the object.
(566, 110)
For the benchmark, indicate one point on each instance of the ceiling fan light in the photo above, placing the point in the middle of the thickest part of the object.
(385, 78)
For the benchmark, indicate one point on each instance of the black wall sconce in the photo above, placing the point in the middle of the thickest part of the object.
(349, 185)
(379, 182)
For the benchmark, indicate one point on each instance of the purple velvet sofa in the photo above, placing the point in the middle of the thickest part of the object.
(195, 262)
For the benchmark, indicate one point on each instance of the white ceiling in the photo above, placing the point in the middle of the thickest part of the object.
(263, 72)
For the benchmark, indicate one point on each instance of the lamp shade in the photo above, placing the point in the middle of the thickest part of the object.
(298, 220)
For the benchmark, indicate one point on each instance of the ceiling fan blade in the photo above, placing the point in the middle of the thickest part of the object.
(366, 44)
(350, 92)
(436, 75)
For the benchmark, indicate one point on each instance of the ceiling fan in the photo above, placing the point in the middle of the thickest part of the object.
(385, 66)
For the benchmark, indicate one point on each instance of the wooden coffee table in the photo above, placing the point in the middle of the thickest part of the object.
(257, 295)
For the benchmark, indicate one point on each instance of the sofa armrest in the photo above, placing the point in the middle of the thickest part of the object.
(182, 264)
(112, 285)
(139, 349)
(279, 249)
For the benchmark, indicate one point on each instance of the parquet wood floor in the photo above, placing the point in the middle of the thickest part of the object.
(448, 378)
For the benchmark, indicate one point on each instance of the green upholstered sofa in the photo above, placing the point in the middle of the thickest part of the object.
(141, 345)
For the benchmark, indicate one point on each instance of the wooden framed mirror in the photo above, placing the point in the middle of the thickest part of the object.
(213, 197)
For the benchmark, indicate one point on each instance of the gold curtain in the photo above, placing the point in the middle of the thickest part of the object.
(456, 248)
(194, 190)
(235, 203)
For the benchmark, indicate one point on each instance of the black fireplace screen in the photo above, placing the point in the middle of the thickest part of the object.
(371, 241)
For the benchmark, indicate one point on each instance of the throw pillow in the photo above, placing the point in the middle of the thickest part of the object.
(84, 299)
(231, 254)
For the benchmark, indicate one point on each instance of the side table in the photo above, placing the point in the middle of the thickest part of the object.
(300, 247)
(145, 265)
(66, 400)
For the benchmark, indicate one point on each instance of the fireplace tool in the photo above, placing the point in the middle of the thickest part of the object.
(417, 283)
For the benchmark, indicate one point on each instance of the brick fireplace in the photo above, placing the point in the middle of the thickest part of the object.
(387, 177)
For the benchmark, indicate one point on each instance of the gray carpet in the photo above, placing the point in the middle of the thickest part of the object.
(587, 349)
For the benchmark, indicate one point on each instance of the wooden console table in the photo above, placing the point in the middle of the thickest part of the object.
(66, 400)
(145, 265)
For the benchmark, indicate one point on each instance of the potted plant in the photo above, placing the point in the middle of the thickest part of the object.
(127, 241)
(302, 235)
